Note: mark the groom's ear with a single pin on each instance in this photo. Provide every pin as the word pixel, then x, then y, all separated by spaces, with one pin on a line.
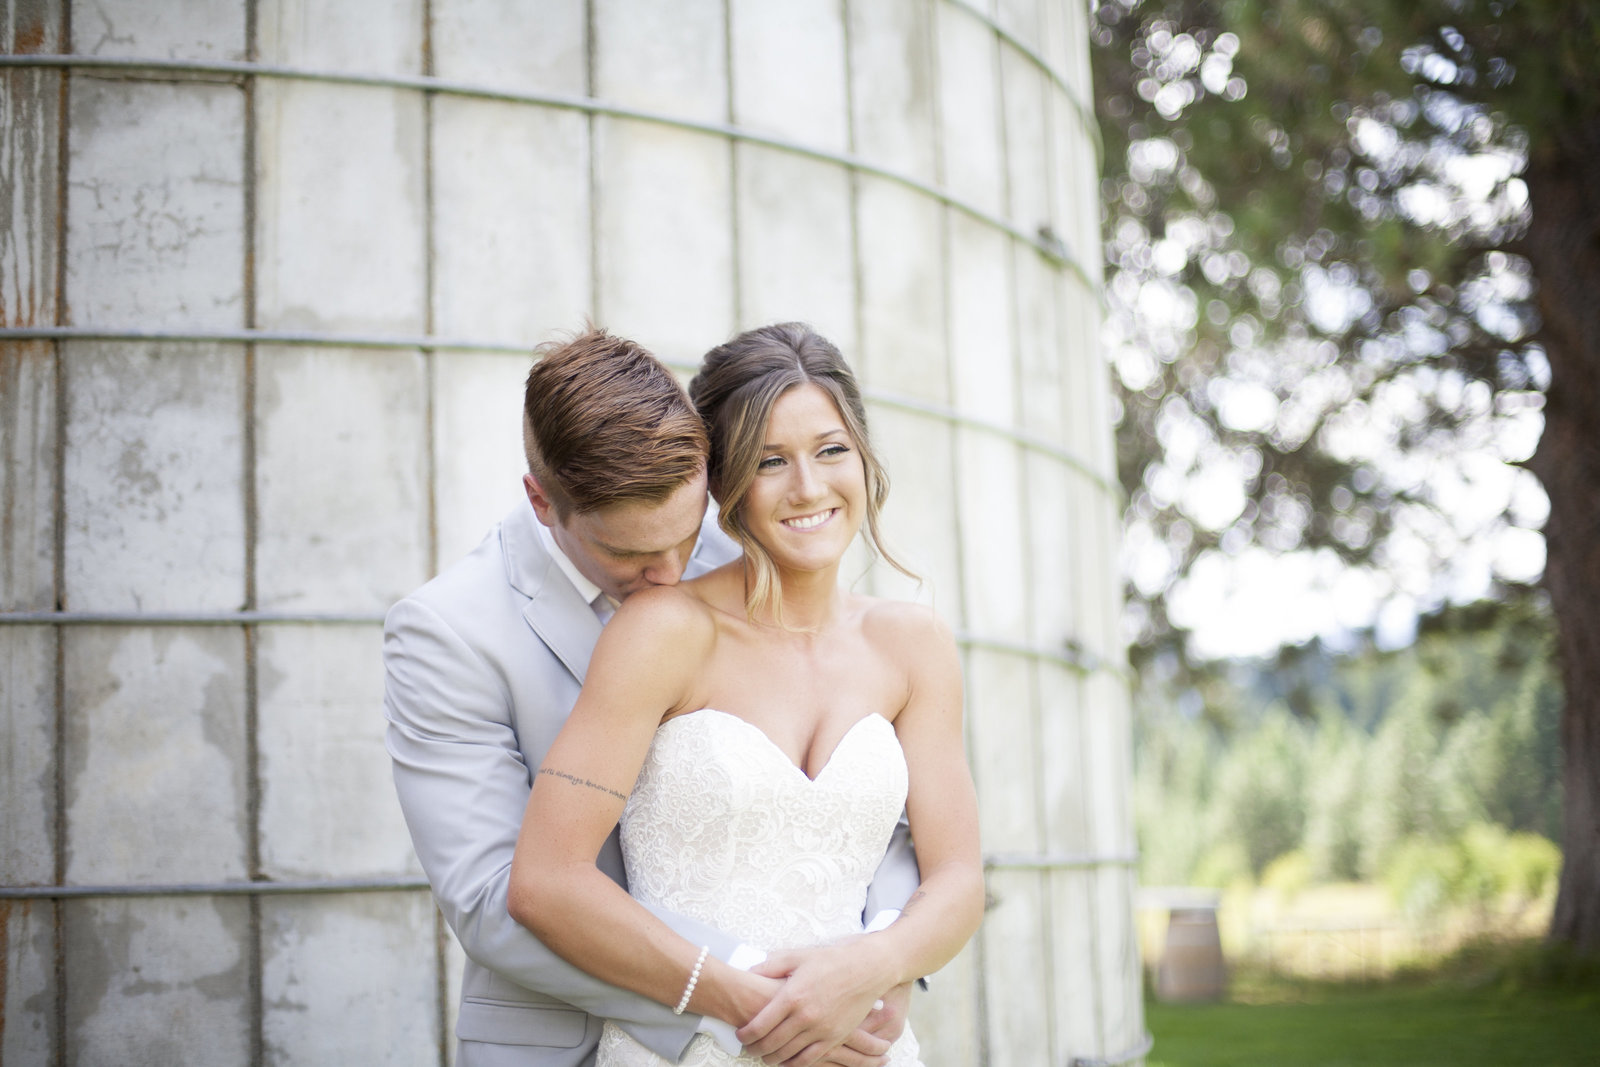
pixel 543 506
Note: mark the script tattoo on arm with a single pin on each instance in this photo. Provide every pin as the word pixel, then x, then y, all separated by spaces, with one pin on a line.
pixel 915 899
pixel 575 780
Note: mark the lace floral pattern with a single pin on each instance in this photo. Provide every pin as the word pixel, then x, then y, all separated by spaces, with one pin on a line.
pixel 724 828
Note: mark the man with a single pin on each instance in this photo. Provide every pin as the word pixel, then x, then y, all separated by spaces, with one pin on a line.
pixel 484 663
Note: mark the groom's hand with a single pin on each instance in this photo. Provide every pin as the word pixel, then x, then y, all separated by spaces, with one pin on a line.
pixel 821 1013
pixel 846 1054
pixel 886 1023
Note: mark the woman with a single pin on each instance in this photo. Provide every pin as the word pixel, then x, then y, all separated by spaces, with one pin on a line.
pixel 770 725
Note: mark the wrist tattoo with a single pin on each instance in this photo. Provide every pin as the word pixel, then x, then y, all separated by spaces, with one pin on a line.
pixel 575 780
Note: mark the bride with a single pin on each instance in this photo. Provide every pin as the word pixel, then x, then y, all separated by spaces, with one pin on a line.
pixel 758 731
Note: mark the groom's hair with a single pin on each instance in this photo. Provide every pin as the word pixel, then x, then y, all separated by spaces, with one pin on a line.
pixel 604 422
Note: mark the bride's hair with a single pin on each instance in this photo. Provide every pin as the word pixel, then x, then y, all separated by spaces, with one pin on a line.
pixel 734 392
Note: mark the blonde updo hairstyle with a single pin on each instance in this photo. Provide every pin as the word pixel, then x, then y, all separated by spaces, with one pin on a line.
pixel 734 392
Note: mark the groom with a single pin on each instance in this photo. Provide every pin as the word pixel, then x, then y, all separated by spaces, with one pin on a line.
pixel 483 664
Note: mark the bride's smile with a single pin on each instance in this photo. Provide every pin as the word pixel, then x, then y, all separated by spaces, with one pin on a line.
pixel 811 522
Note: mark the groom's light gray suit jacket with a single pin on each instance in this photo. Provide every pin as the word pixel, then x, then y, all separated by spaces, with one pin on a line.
pixel 482 666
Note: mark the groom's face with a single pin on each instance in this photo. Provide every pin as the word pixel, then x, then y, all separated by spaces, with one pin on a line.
pixel 632 546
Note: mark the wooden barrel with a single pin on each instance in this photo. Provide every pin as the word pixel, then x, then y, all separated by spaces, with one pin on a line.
pixel 1192 968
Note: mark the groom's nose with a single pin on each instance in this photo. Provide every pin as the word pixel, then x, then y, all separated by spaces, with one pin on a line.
pixel 666 568
pixel 667 572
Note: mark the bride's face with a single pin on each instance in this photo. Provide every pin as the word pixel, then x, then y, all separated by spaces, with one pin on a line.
pixel 809 495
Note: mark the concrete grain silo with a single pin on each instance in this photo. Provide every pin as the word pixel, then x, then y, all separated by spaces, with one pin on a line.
pixel 269 275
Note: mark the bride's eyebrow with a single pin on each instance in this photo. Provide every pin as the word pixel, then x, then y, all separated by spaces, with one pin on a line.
pixel 823 436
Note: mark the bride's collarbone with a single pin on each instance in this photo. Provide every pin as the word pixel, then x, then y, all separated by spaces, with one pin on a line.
pixel 851 679
pixel 844 649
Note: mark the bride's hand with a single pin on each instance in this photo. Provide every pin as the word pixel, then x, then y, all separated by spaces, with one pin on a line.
pixel 733 995
pixel 827 996
pixel 889 1021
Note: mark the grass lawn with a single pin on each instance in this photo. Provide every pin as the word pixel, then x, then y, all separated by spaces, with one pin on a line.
pixel 1454 1019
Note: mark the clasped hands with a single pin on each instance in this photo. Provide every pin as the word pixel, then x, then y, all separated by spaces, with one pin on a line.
pixel 827 1005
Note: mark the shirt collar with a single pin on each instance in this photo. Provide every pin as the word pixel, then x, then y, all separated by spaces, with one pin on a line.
pixel 586 589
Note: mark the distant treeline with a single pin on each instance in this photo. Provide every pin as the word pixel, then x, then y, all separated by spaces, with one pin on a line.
pixel 1364 765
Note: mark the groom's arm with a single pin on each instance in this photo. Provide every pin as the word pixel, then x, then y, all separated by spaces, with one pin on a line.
pixel 892 887
pixel 463 784
pixel 897 877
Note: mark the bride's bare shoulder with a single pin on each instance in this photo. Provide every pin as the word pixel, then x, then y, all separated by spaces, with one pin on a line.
pixel 904 627
pixel 672 615
pixel 918 647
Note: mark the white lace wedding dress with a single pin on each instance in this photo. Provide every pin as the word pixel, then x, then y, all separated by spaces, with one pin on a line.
pixel 724 828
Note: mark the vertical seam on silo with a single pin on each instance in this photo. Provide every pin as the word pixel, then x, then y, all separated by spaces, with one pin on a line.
pixel 980 940
pixel 1094 875
pixel 1085 118
pixel 59 536
pixel 1008 209
pixel 736 267
pixel 1007 205
pixel 1025 500
pixel 1081 684
pixel 592 126
pixel 430 356
pixel 853 176
pixel 441 981
pixel 932 18
pixel 256 1007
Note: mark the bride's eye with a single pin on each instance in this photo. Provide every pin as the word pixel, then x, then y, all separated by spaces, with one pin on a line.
pixel 769 463
pixel 834 450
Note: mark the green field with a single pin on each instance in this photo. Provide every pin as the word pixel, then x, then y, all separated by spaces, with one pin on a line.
pixel 1464 1015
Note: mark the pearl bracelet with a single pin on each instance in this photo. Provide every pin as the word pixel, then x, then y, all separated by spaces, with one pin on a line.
pixel 694 977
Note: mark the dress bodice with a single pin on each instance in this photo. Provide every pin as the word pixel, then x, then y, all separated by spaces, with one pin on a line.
pixel 723 827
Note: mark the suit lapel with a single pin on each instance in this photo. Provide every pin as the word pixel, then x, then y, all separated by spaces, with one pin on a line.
pixel 555 611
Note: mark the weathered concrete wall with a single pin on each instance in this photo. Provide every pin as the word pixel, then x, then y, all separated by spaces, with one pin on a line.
pixel 265 334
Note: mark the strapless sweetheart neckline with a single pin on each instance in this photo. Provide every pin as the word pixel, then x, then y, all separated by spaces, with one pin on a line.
pixel 773 745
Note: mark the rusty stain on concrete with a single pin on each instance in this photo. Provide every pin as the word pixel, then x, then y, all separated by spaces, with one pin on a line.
pixel 135 964
pixel 27 985
pixel 5 959
pixel 27 481
pixel 28 141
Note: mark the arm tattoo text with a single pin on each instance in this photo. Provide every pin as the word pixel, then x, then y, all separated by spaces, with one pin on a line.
pixel 575 780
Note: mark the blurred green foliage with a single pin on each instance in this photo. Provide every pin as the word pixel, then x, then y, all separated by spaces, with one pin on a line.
pixel 1434 768
pixel 1479 867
